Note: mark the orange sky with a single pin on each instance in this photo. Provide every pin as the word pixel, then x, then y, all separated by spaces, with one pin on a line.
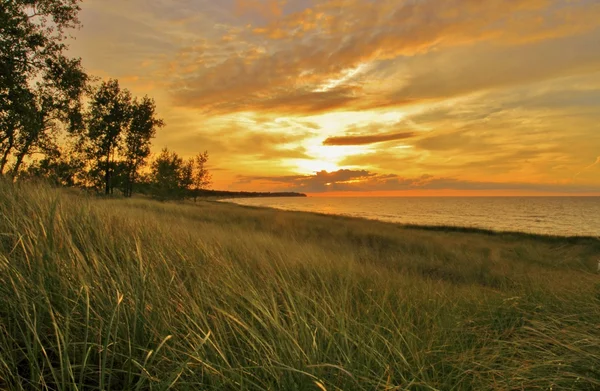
pixel 387 96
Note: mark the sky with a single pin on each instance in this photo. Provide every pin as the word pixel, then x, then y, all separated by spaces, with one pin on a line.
pixel 365 97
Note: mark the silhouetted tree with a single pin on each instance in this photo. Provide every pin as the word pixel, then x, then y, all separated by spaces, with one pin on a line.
pixel 40 88
pixel 186 178
pixel 58 168
pixel 109 118
pixel 167 176
pixel 42 113
pixel 200 176
pixel 171 177
pixel 137 142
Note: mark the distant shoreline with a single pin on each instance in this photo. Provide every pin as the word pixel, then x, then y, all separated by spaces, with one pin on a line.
pixel 222 194
pixel 443 228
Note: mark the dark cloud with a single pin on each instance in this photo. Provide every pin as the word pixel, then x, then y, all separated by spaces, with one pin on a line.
pixel 367 139
pixel 319 182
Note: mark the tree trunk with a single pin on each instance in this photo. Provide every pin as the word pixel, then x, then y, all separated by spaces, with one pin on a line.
pixel 19 160
pixel 21 156
pixel 4 159
pixel 107 175
pixel 130 185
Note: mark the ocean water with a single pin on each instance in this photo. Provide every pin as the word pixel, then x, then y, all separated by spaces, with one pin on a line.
pixel 565 216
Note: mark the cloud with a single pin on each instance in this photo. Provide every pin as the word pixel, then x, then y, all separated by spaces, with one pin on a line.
pixel 490 91
pixel 409 51
pixel 367 139
pixel 319 182
pixel 265 8
pixel 597 162
pixel 457 141
pixel 462 71
pixel 267 146
pixel 365 181
pixel 326 42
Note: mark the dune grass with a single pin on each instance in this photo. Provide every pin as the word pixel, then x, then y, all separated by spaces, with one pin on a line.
pixel 112 294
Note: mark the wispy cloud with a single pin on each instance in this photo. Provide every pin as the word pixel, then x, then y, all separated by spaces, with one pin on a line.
pixel 265 8
pixel 329 46
pixel 367 139
pixel 597 162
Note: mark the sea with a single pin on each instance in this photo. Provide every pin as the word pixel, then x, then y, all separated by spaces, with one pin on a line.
pixel 562 216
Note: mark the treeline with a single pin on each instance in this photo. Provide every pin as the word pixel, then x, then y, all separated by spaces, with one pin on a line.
pixel 60 124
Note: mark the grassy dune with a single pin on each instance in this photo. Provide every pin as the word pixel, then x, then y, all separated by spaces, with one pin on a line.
pixel 105 294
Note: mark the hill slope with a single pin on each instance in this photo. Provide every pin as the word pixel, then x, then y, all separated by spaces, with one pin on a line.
pixel 135 294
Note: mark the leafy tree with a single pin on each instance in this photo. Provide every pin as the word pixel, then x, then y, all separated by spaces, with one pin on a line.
pixel 137 142
pixel 186 178
pixel 41 97
pixel 40 88
pixel 171 177
pixel 58 168
pixel 168 176
pixel 200 176
pixel 109 118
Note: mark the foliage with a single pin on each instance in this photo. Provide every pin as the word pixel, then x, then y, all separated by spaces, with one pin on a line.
pixel 41 90
pixel 46 131
pixel 59 168
pixel 214 296
pixel 200 177
pixel 168 176
pixel 109 115
pixel 172 177
pixel 136 145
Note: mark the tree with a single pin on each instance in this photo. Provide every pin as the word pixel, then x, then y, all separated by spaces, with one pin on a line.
pixel 109 117
pixel 136 147
pixel 55 103
pixel 58 168
pixel 200 176
pixel 168 176
pixel 171 177
pixel 40 88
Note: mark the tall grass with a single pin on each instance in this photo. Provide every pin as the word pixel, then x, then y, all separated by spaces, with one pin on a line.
pixel 104 294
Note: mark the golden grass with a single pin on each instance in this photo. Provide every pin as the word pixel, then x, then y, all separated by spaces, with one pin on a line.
pixel 112 294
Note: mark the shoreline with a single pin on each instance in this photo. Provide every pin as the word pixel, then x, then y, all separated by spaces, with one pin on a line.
pixel 443 228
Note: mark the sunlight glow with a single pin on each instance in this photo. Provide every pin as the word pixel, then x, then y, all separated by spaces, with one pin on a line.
pixel 309 167
pixel 328 158
pixel 334 153
pixel 335 123
pixel 347 74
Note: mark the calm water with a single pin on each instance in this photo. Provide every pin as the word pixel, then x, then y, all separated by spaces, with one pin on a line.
pixel 549 215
